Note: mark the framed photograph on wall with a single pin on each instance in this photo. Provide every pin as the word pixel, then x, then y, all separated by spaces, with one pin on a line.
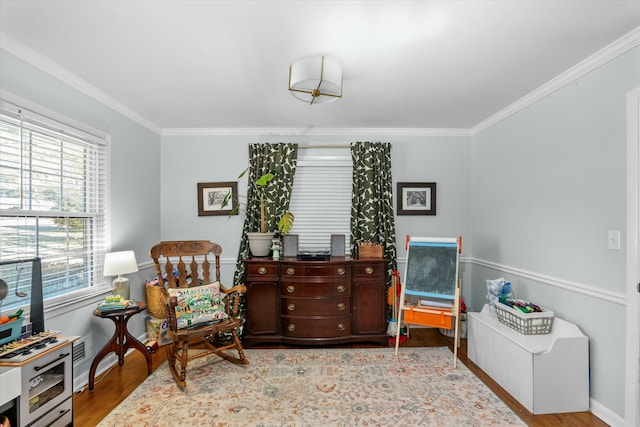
pixel 211 196
pixel 416 198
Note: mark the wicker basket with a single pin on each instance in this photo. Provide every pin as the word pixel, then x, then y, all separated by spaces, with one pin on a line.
pixel 155 301
pixel 527 324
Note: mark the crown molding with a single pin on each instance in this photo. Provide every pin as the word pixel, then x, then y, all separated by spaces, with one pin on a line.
pixel 15 103
pixel 606 54
pixel 297 132
pixel 48 66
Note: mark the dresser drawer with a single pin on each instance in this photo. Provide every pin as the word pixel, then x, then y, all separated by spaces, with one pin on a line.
pixel 316 271
pixel 318 327
pixel 256 271
pixel 369 269
pixel 315 290
pixel 316 306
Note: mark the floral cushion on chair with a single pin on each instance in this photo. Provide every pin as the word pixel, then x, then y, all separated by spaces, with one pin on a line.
pixel 199 304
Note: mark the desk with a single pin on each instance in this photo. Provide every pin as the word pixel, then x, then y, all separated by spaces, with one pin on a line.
pixel 122 340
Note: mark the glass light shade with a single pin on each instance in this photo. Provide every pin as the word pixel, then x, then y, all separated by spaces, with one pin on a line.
pixel 117 264
pixel 312 81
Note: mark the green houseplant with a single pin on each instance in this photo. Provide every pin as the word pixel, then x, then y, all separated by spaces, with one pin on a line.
pixel 264 236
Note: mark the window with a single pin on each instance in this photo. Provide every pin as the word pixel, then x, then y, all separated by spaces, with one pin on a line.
pixel 52 204
pixel 321 197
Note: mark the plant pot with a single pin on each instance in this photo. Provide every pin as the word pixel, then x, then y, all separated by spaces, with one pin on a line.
pixel 260 243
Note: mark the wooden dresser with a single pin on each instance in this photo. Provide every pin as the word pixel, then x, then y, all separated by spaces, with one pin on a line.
pixel 315 302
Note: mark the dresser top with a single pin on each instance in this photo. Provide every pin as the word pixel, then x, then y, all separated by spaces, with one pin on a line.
pixel 334 259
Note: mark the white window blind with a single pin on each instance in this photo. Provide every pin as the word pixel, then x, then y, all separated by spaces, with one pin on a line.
pixel 321 200
pixel 52 202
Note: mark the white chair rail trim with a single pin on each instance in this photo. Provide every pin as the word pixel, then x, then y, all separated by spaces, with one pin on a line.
pixel 591 291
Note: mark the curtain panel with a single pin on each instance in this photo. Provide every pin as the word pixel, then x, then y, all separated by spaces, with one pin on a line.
pixel 281 160
pixel 372 217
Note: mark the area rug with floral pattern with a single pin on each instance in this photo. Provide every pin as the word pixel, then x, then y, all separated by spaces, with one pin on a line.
pixel 318 387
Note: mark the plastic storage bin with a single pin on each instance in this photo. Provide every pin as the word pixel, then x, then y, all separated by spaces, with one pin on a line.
pixel 525 323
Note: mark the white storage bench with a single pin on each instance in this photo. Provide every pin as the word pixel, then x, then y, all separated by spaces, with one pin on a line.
pixel 547 373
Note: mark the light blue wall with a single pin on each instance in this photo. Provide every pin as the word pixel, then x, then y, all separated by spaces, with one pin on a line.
pixel 441 159
pixel 547 184
pixel 134 206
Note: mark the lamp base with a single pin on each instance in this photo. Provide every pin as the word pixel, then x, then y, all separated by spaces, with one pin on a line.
pixel 121 287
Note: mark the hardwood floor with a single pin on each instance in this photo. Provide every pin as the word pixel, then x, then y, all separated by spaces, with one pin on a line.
pixel 115 385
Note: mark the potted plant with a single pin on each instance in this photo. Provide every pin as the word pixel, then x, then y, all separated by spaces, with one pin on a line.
pixel 260 242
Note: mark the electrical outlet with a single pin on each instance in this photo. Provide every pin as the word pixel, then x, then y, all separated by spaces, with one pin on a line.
pixel 613 239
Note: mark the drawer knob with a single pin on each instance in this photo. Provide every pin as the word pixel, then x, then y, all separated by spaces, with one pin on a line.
pixel 368 270
pixel 291 289
pixel 340 288
pixel 262 270
pixel 341 327
pixel 291 271
pixel 291 327
pixel 291 307
pixel 341 271
pixel 341 306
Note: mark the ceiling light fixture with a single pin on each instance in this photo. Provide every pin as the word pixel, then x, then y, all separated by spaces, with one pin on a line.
pixel 315 80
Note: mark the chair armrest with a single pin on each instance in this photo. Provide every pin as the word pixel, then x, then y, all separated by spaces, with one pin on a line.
pixel 170 304
pixel 241 289
pixel 232 298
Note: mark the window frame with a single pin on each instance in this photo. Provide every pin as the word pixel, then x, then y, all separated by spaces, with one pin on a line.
pixel 329 158
pixel 51 123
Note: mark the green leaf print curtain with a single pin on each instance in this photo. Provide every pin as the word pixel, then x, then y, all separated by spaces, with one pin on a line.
pixel 281 160
pixel 372 216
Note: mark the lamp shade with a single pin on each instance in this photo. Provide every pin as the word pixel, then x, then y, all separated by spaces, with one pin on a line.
pixel 116 263
pixel 315 80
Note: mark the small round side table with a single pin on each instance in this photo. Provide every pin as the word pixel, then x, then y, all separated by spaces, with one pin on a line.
pixel 121 341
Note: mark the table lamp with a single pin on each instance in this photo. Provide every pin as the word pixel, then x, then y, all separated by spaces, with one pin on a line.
pixel 117 264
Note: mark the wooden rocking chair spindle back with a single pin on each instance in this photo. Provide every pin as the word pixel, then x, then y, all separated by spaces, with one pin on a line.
pixel 185 264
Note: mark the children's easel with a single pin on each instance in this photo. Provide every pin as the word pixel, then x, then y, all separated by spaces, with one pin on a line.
pixel 430 292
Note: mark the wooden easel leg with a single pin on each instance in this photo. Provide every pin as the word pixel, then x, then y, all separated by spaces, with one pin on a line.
pixel 398 329
pixel 456 340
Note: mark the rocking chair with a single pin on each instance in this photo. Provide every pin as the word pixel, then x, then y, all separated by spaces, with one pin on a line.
pixel 198 310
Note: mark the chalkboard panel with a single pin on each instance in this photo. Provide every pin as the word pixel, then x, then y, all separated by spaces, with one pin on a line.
pixel 432 269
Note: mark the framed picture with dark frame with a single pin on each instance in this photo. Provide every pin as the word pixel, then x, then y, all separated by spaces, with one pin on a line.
pixel 211 196
pixel 416 198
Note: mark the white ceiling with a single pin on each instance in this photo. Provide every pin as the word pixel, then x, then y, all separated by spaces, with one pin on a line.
pixel 224 64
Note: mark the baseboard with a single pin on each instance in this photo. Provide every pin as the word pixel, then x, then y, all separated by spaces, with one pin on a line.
pixel 81 380
pixel 605 414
